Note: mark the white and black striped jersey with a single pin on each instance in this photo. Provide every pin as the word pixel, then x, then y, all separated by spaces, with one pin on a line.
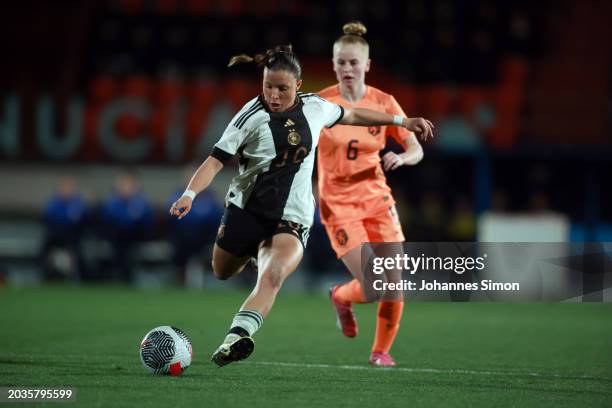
pixel 276 156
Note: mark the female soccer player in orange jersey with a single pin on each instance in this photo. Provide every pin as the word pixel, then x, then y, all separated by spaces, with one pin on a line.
pixel 355 201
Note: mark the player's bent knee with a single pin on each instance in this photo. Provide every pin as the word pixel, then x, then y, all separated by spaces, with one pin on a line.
pixel 225 265
pixel 221 275
pixel 222 271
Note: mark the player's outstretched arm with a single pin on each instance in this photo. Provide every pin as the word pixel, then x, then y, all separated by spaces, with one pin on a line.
pixel 201 179
pixel 368 117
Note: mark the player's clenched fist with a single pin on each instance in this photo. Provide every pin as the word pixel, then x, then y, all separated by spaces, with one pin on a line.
pixel 181 207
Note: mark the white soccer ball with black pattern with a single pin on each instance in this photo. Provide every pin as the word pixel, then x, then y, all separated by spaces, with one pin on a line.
pixel 166 350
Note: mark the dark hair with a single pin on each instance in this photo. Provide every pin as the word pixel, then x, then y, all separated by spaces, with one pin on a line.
pixel 278 58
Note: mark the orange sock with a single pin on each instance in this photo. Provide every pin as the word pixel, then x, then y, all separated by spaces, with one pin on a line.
pixel 387 325
pixel 350 292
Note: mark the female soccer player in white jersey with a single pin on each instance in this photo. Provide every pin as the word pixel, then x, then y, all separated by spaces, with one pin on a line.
pixel 269 206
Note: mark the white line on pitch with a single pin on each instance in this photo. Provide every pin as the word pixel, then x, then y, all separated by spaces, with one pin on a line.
pixel 428 370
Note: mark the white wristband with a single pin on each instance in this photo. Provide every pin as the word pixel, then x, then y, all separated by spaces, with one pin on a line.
pixel 189 193
pixel 398 120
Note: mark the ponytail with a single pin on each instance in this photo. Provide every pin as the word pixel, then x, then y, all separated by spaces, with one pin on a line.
pixel 280 57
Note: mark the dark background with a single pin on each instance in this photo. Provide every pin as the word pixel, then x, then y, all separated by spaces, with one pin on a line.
pixel 520 93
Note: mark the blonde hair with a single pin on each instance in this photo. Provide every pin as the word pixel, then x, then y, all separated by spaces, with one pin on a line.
pixel 353 34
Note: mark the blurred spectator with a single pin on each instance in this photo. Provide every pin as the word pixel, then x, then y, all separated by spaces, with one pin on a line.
pixel 65 216
pixel 194 235
pixel 126 219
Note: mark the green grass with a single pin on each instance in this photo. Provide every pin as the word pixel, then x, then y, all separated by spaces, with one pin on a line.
pixel 449 354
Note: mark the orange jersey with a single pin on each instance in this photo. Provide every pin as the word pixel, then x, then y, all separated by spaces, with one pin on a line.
pixel 352 184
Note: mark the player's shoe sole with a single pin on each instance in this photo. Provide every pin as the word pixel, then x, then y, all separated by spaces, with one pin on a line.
pixel 237 350
pixel 345 318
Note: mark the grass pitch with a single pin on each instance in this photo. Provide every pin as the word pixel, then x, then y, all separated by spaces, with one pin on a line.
pixel 449 354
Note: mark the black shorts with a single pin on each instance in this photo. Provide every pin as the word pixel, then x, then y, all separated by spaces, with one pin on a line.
pixel 240 232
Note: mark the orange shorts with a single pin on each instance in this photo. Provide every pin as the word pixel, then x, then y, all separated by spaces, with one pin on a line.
pixel 383 226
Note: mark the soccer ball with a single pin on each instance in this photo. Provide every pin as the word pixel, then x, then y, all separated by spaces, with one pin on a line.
pixel 165 350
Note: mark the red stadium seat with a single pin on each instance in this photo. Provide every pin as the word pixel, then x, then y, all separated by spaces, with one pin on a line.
pixel 102 89
pixel 239 91
pixel 201 96
pixel 90 121
pixel 513 71
pixel 130 127
pixel 167 92
pixel 159 122
pixel 90 147
pixel 504 134
pixel 469 98
pixel 508 102
pixel 137 86
pixel 200 93
pixel 436 101
pixel 509 98
pixel 194 122
pixel 406 97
